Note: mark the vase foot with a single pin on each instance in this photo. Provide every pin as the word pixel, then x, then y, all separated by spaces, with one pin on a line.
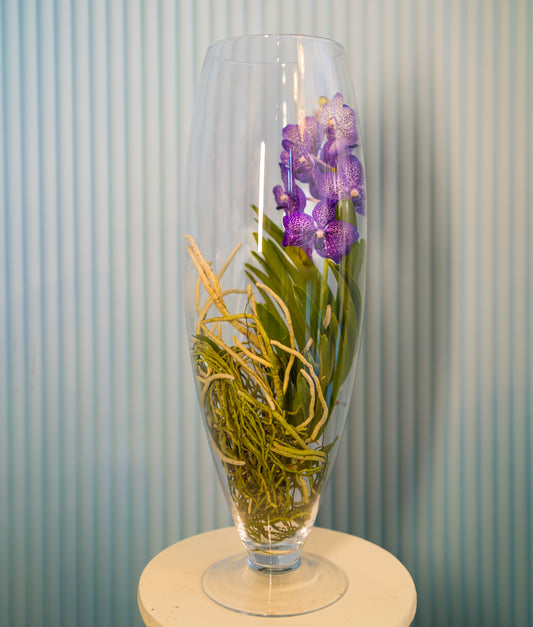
pixel 313 585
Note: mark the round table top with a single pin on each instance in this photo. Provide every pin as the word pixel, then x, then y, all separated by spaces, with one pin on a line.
pixel 380 593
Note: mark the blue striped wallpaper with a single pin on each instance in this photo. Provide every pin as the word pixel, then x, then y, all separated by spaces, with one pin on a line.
pixel 102 457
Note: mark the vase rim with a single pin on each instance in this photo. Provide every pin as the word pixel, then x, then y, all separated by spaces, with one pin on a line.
pixel 225 48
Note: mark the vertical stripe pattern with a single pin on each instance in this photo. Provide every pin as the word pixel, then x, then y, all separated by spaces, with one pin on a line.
pixel 102 455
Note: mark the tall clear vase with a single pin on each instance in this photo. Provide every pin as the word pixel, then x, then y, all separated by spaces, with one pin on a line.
pixel 276 238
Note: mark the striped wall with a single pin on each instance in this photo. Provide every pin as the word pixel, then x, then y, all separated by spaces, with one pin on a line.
pixel 102 461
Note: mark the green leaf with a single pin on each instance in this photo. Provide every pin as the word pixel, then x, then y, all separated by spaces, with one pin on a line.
pixel 302 262
pixel 347 318
pixel 345 211
pixel 297 315
pixel 271 228
pixel 326 362
pixel 274 326
pixel 254 273
pixel 360 255
pixel 307 300
pixel 302 398
pixel 332 331
pixel 350 272
pixel 274 263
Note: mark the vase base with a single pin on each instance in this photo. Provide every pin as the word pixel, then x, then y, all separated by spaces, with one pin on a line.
pixel 315 584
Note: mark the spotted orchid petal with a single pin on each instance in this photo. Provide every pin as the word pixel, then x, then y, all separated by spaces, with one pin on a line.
pixel 299 229
pixel 337 239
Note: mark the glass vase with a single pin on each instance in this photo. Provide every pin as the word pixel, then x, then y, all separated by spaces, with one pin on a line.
pixel 274 290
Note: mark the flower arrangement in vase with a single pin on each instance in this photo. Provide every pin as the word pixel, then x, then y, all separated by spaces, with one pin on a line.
pixel 275 315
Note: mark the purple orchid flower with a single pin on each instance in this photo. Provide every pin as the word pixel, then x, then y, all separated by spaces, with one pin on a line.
pixel 328 186
pixel 289 201
pixel 299 163
pixel 301 144
pixel 341 131
pixel 346 181
pixel 321 232
pixel 351 176
pixel 306 137
pixel 289 197
pixel 333 174
pixel 329 153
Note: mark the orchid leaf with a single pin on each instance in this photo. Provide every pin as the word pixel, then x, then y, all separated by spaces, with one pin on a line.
pixel 326 362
